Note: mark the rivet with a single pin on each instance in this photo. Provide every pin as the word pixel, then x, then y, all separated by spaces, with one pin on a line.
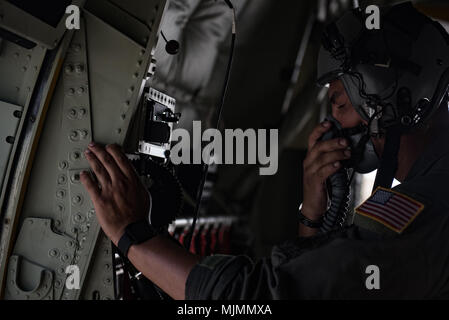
pixel 58 222
pixel 123 116
pixel 74 230
pixel 135 75
pixel 83 112
pixel 139 63
pixel 75 178
pixel 53 253
pixel 71 92
pixel 61 270
pixel 84 228
pixel 16 55
pixel 73 135
pixel 60 194
pixel 118 131
pixel 90 213
pixel 142 52
pixel 68 69
pixel 76 199
pixel 60 209
pixel 63 165
pixel 79 68
pixel 78 217
pixel 6 221
pixel 131 89
pixel 24 69
pixel 65 257
pixel 69 244
pixel 58 284
pixel 76 155
pixel 28 57
pixel 72 113
pixel 84 134
pixel 80 90
pixel 62 179
pixel 30 222
pixel 107 266
pixel 107 281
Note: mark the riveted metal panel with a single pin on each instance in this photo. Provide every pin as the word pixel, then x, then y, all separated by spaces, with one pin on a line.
pixel 9 116
pixel 41 246
pixel 19 173
pixel 94 98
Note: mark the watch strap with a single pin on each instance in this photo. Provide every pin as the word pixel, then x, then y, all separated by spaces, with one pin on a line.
pixel 125 243
pixel 314 224
pixel 136 233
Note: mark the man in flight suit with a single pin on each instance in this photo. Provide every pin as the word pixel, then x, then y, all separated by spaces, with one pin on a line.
pixel 396 247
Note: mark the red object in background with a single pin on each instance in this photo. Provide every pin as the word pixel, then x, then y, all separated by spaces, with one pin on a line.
pixel 183 235
pixel 194 240
pixel 213 240
pixel 224 239
pixel 205 243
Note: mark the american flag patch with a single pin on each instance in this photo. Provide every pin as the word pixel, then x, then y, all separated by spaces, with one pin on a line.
pixel 390 208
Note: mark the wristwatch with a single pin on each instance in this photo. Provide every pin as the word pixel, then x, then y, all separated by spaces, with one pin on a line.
pixel 314 224
pixel 136 233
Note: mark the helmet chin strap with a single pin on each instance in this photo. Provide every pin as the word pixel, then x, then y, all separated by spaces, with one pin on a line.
pixel 389 161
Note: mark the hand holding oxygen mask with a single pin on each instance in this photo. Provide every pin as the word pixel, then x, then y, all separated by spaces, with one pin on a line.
pixel 332 151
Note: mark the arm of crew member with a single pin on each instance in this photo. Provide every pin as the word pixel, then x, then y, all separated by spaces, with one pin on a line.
pixel 165 263
pixel 119 199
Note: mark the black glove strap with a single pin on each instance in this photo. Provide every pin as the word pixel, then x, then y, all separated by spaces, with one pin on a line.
pixel 136 233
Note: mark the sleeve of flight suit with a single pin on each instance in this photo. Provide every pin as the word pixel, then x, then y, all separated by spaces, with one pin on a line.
pixel 335 269
pixel 223 277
